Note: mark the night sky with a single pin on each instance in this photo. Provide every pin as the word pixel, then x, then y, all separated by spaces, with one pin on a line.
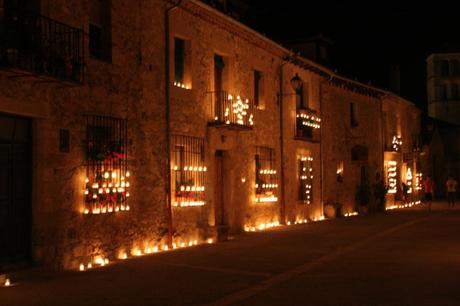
pixel 369 36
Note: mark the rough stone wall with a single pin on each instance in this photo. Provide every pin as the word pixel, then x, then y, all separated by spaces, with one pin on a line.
pixel 339 138
pixel 191 112
pixel 129 87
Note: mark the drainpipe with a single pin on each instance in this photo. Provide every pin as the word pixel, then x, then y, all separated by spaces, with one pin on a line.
pixel 382 139
pixel 321 154
pixel 281 106
pixel 168 122
pixel 321 144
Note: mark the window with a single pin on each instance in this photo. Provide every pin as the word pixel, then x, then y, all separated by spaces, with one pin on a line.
pixel 257 88
pixel 455 68
pixel 179 60
pixel 265 173
pixel 302 97
pixel 359 153
pixel 444 67
pixel 100 30
pixel 306 179
pixel 188 171
pixel 107 176
pixel 340 171
pixel 219 65
pixel 441 92
pixel 302 130
pixel 64 141
pixel 353 116
pixel 454 91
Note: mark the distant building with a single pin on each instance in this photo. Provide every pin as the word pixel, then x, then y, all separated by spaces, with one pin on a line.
pixel 233 8
pixel 440 156
pixel 316 48
pixel 443 86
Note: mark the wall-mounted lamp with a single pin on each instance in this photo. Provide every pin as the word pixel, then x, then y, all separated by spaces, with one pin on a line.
pixel 296 83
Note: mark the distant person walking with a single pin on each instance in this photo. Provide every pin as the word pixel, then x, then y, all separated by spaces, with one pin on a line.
pixel 451 186
pixel 428 188
pixel 405 190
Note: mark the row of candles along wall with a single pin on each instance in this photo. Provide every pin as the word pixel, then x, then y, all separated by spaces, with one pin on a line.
pixel 265 226
pixel 100 261
pixel 136 252
pixel 407 205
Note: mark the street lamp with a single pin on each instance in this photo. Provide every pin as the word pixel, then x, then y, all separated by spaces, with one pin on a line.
pixel 296 83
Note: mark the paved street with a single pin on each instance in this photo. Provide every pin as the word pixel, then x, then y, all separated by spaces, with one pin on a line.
pixel 402 257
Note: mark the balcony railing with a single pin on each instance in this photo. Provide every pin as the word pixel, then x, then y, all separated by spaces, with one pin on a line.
pixel 230 110
pixel 307 122
pixel 43 46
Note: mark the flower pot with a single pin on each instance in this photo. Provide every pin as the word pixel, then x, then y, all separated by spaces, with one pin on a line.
pixel 330 211
pixel 363 210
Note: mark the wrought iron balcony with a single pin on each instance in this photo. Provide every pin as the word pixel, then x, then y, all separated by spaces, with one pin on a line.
pixel 40 45
pixel 233 111
pixel 307 122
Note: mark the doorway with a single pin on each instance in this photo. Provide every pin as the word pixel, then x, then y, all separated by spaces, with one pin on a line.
pixel 15 191
pixel 219 198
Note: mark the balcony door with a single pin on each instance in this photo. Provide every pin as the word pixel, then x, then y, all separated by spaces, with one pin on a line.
pixel 219 203
pixel 15 191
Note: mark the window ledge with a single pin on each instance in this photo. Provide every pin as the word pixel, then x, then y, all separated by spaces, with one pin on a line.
pixel 306 139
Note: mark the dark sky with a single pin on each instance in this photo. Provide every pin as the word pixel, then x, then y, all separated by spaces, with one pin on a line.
pixel 369 36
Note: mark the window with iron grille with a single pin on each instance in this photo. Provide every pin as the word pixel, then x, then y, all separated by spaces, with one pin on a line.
pixel 188 171
pixel 266 177
pixel 306 179
pixel 107 175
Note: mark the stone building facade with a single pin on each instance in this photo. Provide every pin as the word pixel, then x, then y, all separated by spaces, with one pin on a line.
pixel 167 126
pixel 50 91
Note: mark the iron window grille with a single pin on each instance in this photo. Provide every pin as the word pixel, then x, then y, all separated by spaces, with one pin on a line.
pixel 188 171
pixel 107 175
pixel 266 175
